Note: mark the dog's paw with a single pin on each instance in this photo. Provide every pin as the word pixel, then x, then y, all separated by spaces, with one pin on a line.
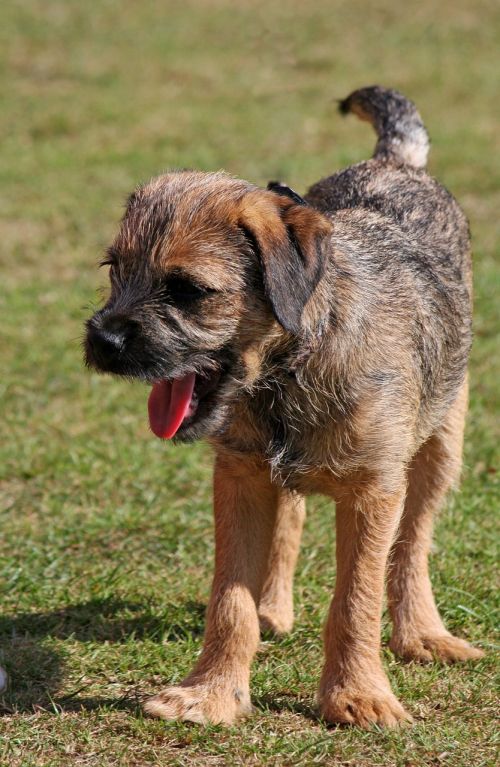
pixel 363 705
pixel 277 619
pixel 200 703
pixel 445 648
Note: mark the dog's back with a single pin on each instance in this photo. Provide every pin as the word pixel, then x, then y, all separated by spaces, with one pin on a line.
pixel 395 185
pixel 408 243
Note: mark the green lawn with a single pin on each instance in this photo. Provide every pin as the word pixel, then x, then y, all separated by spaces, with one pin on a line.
pixel 106 546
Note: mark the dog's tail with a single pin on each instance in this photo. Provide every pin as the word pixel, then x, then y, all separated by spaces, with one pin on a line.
pixel 402 137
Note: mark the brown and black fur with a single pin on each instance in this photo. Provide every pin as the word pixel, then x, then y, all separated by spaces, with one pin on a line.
pixel 330 336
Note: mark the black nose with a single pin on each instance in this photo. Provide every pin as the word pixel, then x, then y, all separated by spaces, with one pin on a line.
pixel 107 339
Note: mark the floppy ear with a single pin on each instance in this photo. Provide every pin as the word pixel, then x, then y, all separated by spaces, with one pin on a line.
pixel 291 241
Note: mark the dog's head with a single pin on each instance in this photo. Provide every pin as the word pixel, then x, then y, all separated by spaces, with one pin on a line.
pixel 204 269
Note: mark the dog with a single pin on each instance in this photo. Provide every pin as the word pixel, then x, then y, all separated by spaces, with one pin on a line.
pixel 320 344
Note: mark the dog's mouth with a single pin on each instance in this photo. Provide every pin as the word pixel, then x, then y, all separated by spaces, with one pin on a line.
pixel 174 403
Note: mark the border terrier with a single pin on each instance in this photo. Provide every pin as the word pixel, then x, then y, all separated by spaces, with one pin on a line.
pixel 320 344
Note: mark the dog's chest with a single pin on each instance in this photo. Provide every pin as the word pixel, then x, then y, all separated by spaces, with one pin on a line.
pixel 301 435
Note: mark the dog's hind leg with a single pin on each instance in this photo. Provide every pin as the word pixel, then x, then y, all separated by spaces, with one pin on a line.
pixel 217 690
pixel 418 631
pixel 276 602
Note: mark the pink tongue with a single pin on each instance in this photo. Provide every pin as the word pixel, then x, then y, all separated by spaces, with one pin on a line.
pixel 168 405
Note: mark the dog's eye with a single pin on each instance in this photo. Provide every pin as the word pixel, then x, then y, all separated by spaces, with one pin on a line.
pixel 182 290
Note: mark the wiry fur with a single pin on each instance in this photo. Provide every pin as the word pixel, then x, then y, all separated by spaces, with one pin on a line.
pixel 338 328
pixel 402 137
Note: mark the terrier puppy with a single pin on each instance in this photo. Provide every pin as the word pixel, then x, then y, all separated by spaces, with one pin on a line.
pixel 320 344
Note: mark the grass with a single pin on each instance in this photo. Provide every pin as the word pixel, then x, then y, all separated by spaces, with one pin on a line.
pixel 106 542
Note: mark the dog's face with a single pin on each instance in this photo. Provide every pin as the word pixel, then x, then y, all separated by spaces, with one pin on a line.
pixel 201 269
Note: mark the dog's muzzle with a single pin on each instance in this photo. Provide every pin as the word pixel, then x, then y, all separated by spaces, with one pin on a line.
pixel 107 340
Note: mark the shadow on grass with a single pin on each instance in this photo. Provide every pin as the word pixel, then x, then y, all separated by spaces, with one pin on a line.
pixel 36 670
pixel 108 620
pixel 280 703
pixel 129 703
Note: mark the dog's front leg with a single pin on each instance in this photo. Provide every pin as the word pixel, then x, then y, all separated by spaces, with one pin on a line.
pixel 354 688
pixel 217 690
